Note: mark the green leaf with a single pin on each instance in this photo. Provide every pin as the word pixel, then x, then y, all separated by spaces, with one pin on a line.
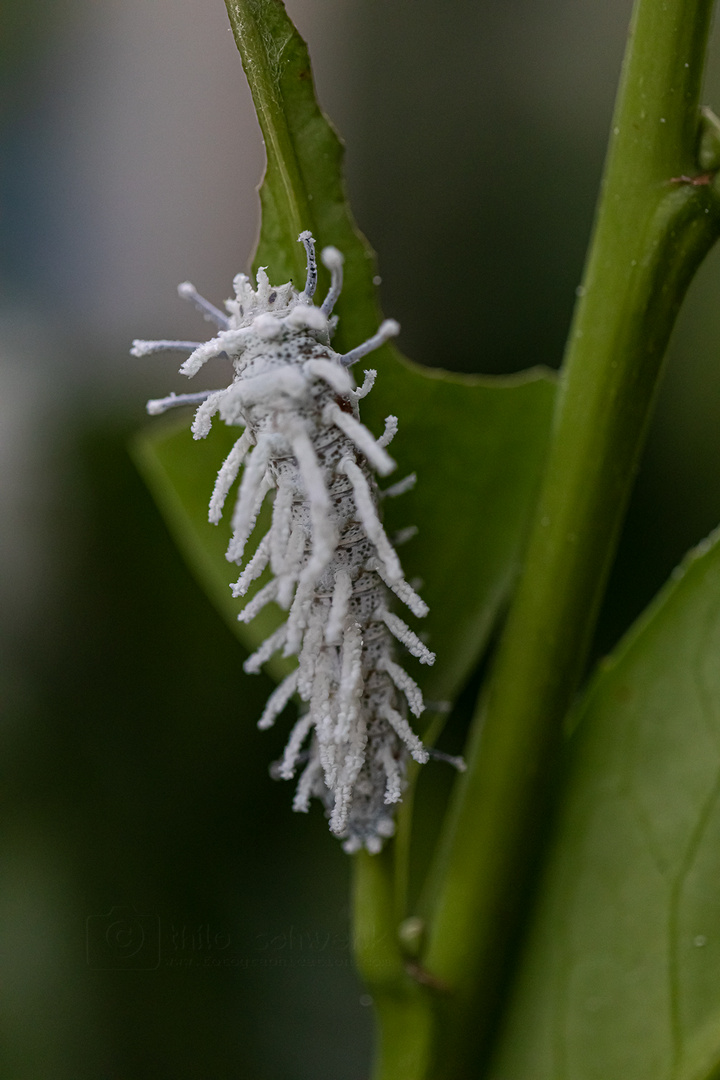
pixel 477 444
pixel 478 447
pixel 620 976
pixel 303 186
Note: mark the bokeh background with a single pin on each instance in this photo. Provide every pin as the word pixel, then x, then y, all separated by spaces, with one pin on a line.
pixel 162 913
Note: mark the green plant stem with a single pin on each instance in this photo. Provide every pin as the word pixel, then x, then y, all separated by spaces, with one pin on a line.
pixel 403 1007
pixel 651 234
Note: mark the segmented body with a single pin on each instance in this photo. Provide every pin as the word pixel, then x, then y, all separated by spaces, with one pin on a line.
pixel 331 565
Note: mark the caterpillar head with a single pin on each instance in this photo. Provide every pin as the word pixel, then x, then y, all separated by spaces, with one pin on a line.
pixel 267 299
pixel 263 307
pixel 276 315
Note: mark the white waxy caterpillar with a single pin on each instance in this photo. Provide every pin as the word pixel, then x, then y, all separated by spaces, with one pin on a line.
pixel 332 567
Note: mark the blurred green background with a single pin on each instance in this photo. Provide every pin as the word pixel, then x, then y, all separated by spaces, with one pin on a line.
pixel 162 913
